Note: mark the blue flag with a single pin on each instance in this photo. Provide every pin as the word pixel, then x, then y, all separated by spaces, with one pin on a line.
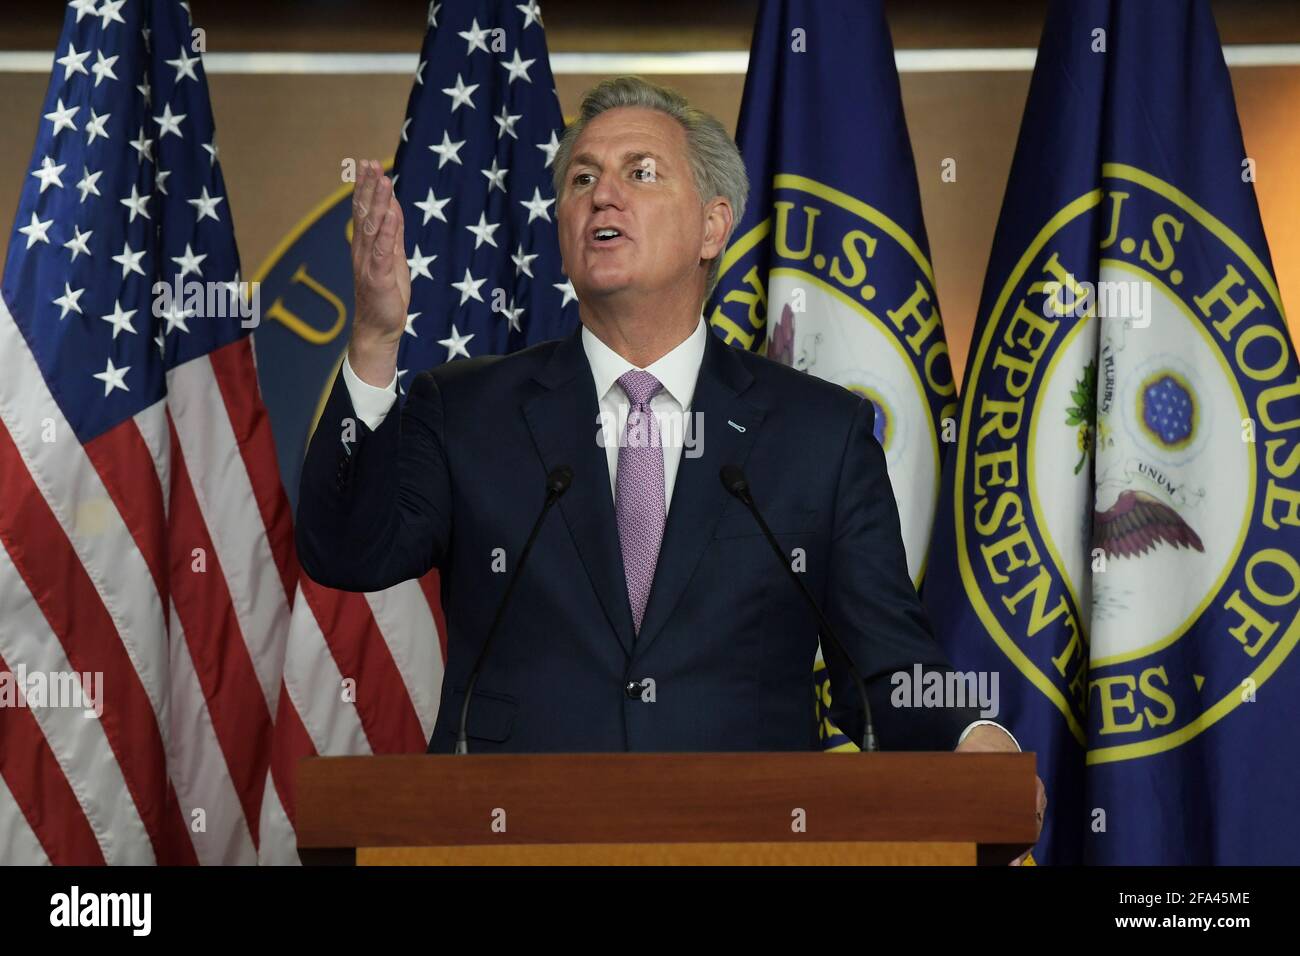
pixel 1121 521
pixel 123 214
pixel 473 174
pixel 829 270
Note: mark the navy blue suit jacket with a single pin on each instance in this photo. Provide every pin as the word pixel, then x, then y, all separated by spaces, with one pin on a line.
pixel 727 640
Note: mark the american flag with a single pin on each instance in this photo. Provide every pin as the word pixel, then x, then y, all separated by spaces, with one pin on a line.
pixel 363 673
pixel 144 536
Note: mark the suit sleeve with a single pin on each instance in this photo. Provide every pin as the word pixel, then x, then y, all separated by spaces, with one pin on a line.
pixel 374 506
pixel 875 610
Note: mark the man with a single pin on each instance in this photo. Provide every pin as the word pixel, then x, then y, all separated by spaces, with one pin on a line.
pixel 652 615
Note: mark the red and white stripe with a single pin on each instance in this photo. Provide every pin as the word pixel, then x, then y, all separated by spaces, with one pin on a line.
pixel 391 645
pixel 160 554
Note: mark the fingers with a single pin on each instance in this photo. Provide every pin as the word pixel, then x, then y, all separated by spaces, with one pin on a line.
pixel 399 244
pixel 373 242
pixel 363 209
pixel 399 253
pixel 385 242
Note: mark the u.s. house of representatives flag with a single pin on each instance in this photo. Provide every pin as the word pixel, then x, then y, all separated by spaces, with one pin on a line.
pixel 363 673
pixel 146 554
pixel 829 269
pixel 1121 536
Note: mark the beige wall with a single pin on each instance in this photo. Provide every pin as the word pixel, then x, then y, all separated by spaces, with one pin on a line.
pixel 282 139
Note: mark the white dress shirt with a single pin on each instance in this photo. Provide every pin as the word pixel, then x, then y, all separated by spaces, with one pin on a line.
pixel 369 402
pixel 677 372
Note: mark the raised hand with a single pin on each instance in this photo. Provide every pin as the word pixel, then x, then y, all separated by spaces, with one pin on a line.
pixel 380 276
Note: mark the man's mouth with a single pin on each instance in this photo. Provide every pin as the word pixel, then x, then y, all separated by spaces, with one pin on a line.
pixel 607 236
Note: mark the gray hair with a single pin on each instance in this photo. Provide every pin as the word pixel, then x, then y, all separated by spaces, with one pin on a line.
pixel 715 161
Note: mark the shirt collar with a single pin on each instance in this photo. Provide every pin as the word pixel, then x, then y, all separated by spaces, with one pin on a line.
pixel 677 371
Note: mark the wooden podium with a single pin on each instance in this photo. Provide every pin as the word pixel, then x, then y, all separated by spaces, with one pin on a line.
pixel 671 808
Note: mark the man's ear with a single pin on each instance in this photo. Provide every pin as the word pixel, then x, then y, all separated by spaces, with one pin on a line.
pixel 717 226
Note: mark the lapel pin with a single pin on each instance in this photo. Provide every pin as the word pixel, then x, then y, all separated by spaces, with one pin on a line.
pixel 739 428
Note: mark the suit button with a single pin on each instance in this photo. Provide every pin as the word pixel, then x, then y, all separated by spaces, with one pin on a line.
pixel 633 690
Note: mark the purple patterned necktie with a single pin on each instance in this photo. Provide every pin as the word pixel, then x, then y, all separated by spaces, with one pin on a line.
pixel 639 498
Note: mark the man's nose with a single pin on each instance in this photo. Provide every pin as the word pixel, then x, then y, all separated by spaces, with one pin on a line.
pixel 608 192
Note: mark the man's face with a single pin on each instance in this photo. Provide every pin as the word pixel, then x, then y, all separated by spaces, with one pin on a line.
pixel 630 172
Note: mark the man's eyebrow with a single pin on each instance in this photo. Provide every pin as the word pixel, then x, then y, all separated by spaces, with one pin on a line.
pixel 633 155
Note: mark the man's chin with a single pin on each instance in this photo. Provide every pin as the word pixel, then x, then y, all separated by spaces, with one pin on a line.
pixel 605 287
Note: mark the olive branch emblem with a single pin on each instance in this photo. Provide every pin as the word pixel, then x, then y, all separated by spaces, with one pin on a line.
pixel 1083 412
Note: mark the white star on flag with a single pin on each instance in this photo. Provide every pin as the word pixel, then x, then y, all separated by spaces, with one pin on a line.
pixel 506 123
pixel 68 300
pixel 130 260
pixel 432 207
pixel 48 174
pixel 108 13
pixel 83 7
pixel 206 205
pixel 169 122
pixel 537 206
pixel 87 183
pixel 567 288
pixel 103 67
pixel 419 264
pixel 62 117
pixel 474 37
pixel 523 263
pixel 72 62
pixel 447 151
pixel 456 343
pixel 513 315
pixel 144 146
pixel 518 68
pixel 189 262
pixel 184 66
pixel 496 177
pixel 532 13
pixel 175 318
pixel 35 231
pixel 136 204
pixel 549 149
pixel 483 231
pixel 461 94
pixel 120 319
pixel 95 126
pixel 468 288
pixel 113 377
pixel 78 242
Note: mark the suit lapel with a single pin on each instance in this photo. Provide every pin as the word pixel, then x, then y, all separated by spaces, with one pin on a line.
pixel 698 496
pixel 564 423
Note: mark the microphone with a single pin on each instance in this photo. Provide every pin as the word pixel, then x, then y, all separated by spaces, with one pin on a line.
pixel 737 485
pixel 557 483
